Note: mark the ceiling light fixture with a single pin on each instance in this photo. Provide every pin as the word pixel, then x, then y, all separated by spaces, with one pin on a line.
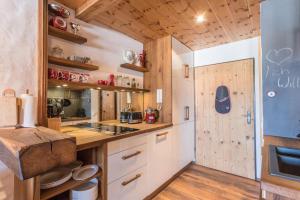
pixel 200 19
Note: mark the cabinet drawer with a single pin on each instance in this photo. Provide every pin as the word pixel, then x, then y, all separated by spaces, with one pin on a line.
pixel 130 187
pixel 124 162
pixel 159 158
pixel 124 144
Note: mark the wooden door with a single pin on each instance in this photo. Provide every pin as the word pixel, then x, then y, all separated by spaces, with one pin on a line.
pixel 226 142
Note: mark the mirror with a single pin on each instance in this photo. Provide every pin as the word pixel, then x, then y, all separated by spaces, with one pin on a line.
pixel 70 105
pixel 95 105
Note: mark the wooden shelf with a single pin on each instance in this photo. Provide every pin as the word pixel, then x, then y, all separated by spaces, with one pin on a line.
pixel 134 67
pixel 72 64
pixel 82 86
pixel 66 35
pixel 49 193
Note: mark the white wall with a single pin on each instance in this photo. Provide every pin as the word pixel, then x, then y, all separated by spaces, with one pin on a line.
pixel 18 39
pixel 18 60
pixel 236 51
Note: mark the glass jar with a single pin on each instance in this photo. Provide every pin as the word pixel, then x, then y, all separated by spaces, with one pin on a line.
pixel 119 80
pixel 126 82
pixel 133 83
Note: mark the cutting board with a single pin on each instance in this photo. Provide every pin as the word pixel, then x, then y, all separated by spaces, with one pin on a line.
pixel 9 110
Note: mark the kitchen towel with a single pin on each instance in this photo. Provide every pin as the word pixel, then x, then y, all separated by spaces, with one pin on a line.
pixel 28 112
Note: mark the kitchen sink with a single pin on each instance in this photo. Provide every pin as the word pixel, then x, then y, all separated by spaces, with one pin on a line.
pixel 284 162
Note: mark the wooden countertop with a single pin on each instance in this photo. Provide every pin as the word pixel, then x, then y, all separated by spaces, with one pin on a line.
pixel 266 177
pixel 86 139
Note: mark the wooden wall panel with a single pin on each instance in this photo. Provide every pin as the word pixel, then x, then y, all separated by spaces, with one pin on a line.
pixel 226 142
pixel 137 101
pixel 159 63
pixel 108 105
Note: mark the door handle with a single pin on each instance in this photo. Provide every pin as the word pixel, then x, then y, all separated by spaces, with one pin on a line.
pixel 248 117
pixel 187 113
pixel 186 71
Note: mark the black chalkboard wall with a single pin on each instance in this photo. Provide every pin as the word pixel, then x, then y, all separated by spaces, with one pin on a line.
pixel 280 22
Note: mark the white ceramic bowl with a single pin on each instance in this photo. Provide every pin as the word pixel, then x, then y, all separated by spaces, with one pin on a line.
pixel 85 172
pixel 87 191
pixel 55 178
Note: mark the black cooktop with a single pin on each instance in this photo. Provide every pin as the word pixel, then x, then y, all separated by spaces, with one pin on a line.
pixel 103 128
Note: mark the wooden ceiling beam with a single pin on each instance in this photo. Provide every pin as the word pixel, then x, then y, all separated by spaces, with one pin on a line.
pixel 91 8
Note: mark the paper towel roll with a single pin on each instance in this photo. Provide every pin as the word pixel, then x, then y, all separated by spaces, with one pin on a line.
pixel 28 111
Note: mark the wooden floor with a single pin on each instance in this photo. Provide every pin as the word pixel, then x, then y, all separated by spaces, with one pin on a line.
pixel 206 184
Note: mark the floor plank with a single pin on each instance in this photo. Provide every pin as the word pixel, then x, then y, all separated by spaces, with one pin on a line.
pixel 200 183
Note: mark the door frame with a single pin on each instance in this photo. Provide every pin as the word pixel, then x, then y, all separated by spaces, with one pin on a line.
pixel 254 107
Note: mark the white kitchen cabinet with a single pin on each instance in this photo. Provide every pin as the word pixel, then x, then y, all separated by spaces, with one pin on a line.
pixel 183 141
pixel 126 143
pixel 159 163
pixel 183 145
pixel 129 187
pixel 162 154
pixel 182 86
pixel 124 162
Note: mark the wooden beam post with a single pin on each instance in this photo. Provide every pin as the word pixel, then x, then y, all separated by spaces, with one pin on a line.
pixel 159 63
pixel 91 8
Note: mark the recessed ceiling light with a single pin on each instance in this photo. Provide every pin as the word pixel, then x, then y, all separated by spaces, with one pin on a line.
pixel 200 19
pixel 58 86
pixel 98 88
pixel 65 85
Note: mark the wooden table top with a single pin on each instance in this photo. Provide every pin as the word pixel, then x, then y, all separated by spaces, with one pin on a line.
pixel 86 139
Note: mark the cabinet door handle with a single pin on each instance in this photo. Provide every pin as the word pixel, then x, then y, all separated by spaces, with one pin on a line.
pixel 186 71
pixel 131 155
pixel 187 113
pixel 124 183
pixel 162 134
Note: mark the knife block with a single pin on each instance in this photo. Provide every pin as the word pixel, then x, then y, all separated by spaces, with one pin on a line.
pixel 54 123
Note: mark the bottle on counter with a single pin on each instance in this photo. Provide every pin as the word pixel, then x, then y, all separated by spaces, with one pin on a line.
pixel 112 80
